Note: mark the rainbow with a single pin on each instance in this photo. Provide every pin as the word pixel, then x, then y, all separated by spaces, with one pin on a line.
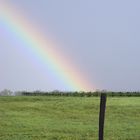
pixel 43 49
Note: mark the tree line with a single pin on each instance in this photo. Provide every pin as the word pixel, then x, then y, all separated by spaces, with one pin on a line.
pixel 7 92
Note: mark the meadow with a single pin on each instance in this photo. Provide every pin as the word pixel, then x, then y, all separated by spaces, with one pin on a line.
pixel 67 118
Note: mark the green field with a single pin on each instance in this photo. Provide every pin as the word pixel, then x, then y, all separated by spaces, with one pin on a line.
pixel 67 118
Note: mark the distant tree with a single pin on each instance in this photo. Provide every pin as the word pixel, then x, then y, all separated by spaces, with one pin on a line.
pixel 17 93
pixel 6 92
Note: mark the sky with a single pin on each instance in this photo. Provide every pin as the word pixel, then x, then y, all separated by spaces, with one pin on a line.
pixel 99 39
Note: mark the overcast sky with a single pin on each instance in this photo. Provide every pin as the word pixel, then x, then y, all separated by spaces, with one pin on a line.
pixel 101 36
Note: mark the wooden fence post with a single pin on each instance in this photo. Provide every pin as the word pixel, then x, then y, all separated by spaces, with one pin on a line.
pixel 102 115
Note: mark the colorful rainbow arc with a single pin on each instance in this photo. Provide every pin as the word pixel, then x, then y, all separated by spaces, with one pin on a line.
pixel 44 49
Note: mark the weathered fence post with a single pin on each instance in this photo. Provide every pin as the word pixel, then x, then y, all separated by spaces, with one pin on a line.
pixel 102 115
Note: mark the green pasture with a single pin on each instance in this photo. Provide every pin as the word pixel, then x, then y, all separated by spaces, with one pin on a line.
pixel 68 118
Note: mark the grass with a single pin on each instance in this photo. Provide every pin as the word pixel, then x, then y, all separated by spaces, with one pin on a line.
pixel 67 118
